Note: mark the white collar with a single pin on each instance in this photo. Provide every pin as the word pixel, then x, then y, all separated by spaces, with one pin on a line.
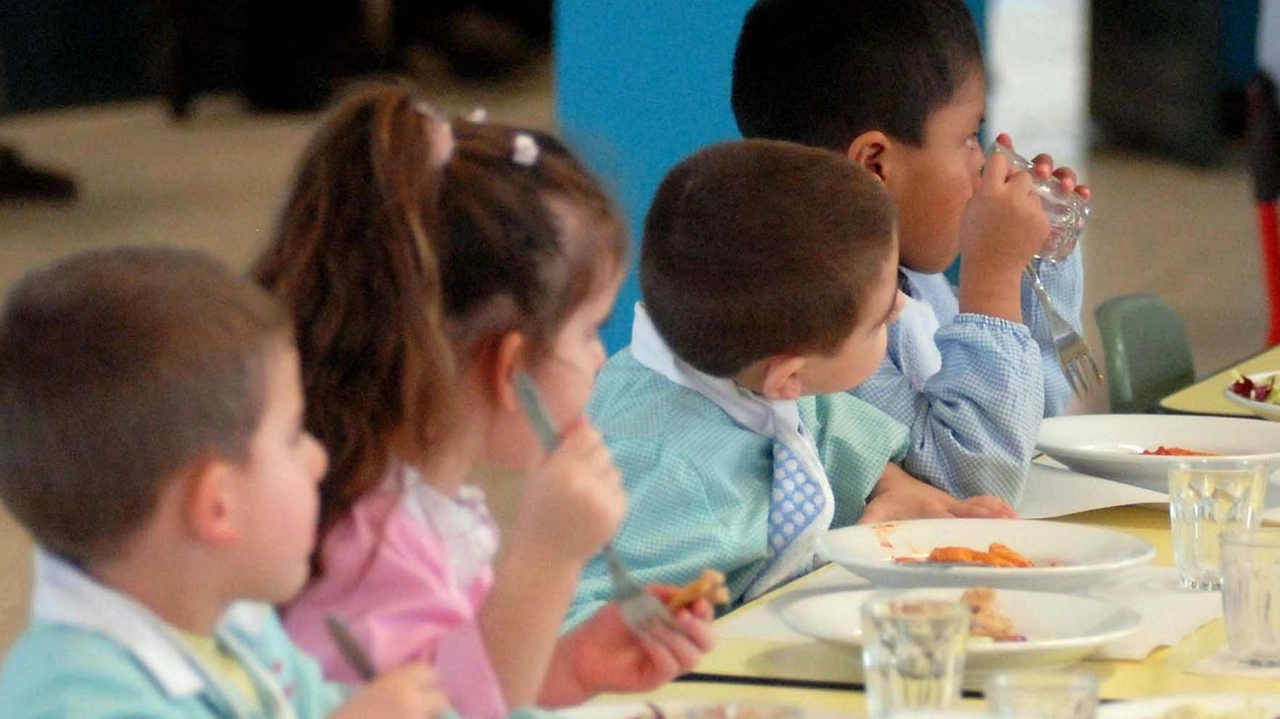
pixel 463 524
pixel 760 415
pixel 63 594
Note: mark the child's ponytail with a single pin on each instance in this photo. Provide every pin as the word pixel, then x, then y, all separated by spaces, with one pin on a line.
pixel 355 260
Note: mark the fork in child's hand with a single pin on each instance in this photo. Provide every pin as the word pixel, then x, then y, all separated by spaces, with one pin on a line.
pixel 641 611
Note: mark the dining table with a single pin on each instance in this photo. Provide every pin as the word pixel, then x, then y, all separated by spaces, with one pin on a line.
pixel 824 678
pixel 1206 395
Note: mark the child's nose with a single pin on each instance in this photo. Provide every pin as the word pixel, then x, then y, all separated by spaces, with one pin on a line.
pixel 319 459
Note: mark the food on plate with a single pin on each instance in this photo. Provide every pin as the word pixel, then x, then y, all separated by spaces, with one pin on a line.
pixel 987 621
pixel 1256 391
pixel 997 555
pixel 709 585
pixel 1164 451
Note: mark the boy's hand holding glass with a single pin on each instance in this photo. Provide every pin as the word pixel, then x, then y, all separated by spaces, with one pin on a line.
pixel 1003 225
pixel 410 692
pixel 1065 203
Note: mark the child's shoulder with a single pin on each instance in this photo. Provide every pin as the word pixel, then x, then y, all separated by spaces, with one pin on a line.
pixel 57 669
pixel 632 400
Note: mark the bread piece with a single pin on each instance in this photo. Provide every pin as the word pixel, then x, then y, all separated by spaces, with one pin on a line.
pixel 709 585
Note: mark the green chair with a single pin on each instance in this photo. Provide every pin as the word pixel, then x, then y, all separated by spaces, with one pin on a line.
pixel 1148 356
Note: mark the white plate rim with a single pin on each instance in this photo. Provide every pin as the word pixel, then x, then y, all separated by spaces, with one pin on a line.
pixel 1052 449
pixel 823 547
pixel 1132 617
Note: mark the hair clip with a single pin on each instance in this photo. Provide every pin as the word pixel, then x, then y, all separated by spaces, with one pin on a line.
pixel 524 149
pixel 478 115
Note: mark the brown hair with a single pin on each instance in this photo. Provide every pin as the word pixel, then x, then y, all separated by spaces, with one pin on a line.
pixel 118 369
pixel 759 247
pixel 398 269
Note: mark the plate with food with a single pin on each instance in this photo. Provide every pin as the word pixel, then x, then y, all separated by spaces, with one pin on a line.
pixel 1004 553
pixel 1196 706
pixel 1257 393
pixel 1138 448
pixel 1009 628
pixel 694 710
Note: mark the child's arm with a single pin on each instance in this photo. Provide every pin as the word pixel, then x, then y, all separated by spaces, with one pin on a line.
pixel 571 506
pixel 898 495
pixel 603 655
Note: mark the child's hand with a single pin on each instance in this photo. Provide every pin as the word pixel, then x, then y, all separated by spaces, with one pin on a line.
pixel 898 496
pixel 1044 169
pixel 1003 226
pixel 411 691
pixel 603 655
pixel 573 502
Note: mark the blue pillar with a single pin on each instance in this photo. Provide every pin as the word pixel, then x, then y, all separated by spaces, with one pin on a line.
pixel 640 85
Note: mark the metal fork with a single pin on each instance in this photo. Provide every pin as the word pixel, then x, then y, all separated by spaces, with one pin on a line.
pixel 641 611
pixel 1078 365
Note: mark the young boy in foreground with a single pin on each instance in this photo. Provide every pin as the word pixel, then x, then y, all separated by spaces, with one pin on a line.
pixel 153 446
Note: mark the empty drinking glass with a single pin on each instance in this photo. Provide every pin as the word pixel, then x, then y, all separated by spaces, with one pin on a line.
pixel 1251 594
pixel 913 654
pixel 1067 211
pixel 1208 496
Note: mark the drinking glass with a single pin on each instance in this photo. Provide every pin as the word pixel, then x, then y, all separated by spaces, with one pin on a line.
pixel 1067 211
pixel 913 654
pixel 1251 594
pixel 1042 695
pixel 1208 496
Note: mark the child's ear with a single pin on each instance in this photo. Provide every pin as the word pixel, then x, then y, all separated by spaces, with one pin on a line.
pixel 210 502
pixel 869 150
pixel 782 377
pixel 506 358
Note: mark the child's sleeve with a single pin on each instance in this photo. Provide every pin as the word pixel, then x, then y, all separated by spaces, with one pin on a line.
pixel 973 423
pixel 854 441
pixel 1064 281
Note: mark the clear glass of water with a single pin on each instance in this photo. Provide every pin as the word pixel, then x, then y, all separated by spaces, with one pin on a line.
pixel 1209 496
pixel 1251 594
pixel 1067 211
pixel 913 654
pixel 1042 695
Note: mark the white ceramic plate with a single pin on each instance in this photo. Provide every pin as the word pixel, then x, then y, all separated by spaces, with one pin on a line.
pixel 1067 556
pixel 1111 445
pixel 1060 628
pixel 1262 409
pixel 694 710
pixel 1263 706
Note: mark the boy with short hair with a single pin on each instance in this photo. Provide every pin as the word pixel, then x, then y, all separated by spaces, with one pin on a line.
pixel 153 446
pixel 768 272
pixel 898 86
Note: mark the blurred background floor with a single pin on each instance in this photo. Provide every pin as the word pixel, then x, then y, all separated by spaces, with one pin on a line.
pixel 215 182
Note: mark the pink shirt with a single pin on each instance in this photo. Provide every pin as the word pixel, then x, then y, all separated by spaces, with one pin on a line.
pixel 408 570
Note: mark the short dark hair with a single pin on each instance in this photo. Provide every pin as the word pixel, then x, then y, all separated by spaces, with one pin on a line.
pixel 119 369
pixel 821 72
pixel 756 247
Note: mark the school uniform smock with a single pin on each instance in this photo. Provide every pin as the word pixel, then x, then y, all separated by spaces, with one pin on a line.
pixel 699 482
pixel 93 653
pixel 407 570
pixel 971 387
